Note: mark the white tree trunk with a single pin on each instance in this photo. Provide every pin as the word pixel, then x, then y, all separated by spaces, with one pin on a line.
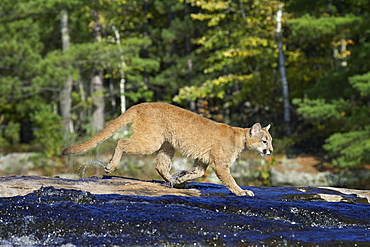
pixel 284 81
pixel 97 87
pixel 122 69
pixel 98 112
pixel 65 94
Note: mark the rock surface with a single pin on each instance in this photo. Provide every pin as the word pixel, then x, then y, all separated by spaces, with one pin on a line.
pixel 309 171
pixel 116 211
pixel 16 163
pixel 20 186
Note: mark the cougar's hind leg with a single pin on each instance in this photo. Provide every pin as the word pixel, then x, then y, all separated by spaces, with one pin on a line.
pixel 199 170
pixel 164 161
pixel 117 154
pixel 132 145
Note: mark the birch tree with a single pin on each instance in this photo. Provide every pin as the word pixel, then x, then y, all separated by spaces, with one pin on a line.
pixel 96 87
pixel 65 94
pixel 283 77
pixel 122 81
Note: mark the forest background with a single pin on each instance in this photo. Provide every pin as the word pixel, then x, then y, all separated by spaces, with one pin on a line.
pixel 68 67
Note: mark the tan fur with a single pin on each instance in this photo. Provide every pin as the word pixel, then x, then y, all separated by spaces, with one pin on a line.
pixel 162 128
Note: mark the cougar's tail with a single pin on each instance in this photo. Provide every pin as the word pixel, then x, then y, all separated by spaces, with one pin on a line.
pixel 103 135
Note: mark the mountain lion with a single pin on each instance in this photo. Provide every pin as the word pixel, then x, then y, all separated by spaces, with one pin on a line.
pixel 162 128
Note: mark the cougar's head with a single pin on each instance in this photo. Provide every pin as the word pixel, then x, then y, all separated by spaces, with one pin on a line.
pixel 259 139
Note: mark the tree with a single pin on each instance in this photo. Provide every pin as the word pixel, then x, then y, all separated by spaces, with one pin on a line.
pixel 97 88
pixel 240 56
pixel 35 67
pixel 220 58
pixel 284 81
pixel 336 105
pixel 65 94
pixel 30 77
pixel 170 29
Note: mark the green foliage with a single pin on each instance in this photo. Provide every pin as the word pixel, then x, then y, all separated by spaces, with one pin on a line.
pixel 10 136
pixel 352 148
pixel 240 58
pixel 49 133
pixel 361 83
pixel 347 126
pixel 319 108
pixel 319 28
pixel 215 88
pixel 219 56
pixel 11 133
pixel 265 171
pixel 334 42
pixel 285 144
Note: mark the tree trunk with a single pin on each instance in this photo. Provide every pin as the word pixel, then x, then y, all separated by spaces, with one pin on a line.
pixel 284 81
pixel 65 94
pixel 122 81
pixel 98 112
pixel 189 74
pixel 146 34
pixel 97 88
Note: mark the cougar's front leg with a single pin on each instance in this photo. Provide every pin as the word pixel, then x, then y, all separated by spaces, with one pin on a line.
pixel 223 173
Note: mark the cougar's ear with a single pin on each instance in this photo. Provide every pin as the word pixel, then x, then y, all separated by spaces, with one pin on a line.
pixel 256 128
pixel 267 127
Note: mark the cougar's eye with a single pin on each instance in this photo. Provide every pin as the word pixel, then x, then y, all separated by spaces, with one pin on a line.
pixel 265 142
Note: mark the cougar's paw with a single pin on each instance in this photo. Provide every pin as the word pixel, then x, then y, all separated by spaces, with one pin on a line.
pixel 181 186
pixel 248 193
pixel 109 169
pixel 244 193
pixel 171 183
pixel 177 181
pixel 178 174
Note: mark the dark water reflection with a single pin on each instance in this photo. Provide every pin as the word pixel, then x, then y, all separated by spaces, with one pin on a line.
pixel 275 217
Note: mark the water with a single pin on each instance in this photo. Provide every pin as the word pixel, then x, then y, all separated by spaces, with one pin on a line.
pixel 93 162
pixel 275 217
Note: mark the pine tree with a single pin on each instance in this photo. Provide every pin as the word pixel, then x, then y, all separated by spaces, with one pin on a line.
pixel 31 78
pixel 240 58
pixel 335 43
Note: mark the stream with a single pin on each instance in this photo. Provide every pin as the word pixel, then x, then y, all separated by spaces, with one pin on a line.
pixel 274 217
